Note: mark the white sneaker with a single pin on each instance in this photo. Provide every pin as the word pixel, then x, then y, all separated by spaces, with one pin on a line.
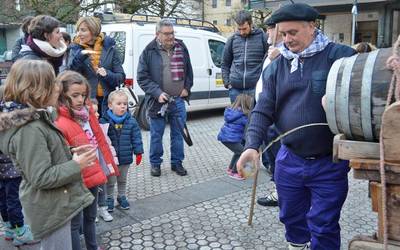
pixel 104 214
pixel 293 246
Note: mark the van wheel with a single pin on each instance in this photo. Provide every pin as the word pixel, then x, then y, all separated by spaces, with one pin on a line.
pixel 143 117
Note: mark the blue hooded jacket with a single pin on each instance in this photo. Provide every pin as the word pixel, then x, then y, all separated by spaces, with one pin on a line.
pixel 234 126
pixel 127 140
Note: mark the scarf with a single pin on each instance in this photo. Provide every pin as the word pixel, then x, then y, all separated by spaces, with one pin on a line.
pixel 80 116
pixel 176 64
pixel 117 119
pixel 318 44
pixel 95 57
pixel 53 55
pixel 11 106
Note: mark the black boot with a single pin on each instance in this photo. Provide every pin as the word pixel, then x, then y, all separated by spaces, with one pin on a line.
pixel 179 169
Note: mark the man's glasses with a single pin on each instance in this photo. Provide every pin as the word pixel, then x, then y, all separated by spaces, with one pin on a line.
pixel 168 33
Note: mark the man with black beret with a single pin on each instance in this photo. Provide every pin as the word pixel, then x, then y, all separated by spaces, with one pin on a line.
pixel 311 188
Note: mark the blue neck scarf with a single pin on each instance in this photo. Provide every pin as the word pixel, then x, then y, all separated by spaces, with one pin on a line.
pixel 116 118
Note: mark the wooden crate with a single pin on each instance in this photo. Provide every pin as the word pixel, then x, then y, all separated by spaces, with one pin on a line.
pixel 365 160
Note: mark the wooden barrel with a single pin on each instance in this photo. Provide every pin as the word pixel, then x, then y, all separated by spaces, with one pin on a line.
pixel 356 93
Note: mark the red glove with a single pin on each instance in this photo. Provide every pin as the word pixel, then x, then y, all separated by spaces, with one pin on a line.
pixel 138 159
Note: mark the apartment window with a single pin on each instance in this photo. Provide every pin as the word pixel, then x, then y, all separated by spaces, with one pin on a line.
pixel 228 22
pixel 215 22
pixel 228 3
pixel 214 3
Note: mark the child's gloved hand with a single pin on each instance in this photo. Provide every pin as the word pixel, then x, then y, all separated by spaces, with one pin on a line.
pixel 138 159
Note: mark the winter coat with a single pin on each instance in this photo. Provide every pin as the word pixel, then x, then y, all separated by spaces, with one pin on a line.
pixel 72 130
pixel 27 52
pixel 110 59
pixel 242 60
pixel 51 191
pixel 127 140
pixel 7 169
pixel 104 128
pixel 234 126
pixel 17 47
pixel 149 74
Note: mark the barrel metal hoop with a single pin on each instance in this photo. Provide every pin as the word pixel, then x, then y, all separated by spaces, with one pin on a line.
pixel 345 94
pixel 366 98
pixel 330 94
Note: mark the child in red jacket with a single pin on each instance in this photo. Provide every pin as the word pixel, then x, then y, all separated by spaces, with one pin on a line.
pixel 79 125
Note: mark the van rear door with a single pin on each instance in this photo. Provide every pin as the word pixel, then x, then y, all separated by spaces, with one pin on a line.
pixel 198 57
pixel 218 93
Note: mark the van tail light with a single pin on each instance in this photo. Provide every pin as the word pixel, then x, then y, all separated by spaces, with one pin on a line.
pixel 129 82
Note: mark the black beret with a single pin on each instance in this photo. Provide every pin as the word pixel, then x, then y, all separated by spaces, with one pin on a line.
pixel 295 12
pixel 270 22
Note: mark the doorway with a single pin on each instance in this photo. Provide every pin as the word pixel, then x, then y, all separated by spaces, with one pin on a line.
pixel 367 32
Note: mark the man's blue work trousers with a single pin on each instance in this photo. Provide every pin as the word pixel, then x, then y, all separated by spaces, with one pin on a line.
pixel 311 193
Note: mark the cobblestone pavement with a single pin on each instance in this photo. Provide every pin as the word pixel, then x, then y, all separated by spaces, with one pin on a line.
pixel 206 209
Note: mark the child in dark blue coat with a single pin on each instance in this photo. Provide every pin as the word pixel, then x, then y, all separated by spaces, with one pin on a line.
pixel 10 206
pixel 126 138
pixel 233 131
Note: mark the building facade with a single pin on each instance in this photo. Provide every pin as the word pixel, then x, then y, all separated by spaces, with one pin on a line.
pixel 377 21
pixel 222 12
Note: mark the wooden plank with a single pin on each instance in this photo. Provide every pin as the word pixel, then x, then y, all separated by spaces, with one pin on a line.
pixel 346 149
pixel 374 196
pixel 372 164
pixel 391 132
pixel 392 208
pixel 335 150
pixel 373 175
pixel 367 243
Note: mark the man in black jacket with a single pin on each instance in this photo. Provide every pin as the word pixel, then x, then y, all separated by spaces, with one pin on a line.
pixel 165 74
pixel 243 56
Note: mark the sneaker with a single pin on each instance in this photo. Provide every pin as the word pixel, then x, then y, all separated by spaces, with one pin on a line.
pixel 236 176
pixel 293 246
pixel 155 171
pixel 23 236
pixel 228 170
pixel 269 201
pixel 96 220
pixel 123 202
pixel 9 233
pixel 104 214
pixel 110 205
pixel 179 169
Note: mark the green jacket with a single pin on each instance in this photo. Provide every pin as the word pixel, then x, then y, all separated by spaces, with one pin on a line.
pixel 51 191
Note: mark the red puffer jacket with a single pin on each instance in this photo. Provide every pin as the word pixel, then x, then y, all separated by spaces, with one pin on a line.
pixel 72 131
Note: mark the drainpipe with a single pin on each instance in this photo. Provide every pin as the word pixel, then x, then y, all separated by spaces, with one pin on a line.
pixel 354 13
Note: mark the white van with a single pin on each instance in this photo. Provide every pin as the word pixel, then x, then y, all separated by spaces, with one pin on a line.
pixel 205 50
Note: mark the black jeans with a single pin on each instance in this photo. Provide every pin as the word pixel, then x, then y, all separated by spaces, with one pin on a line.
pixel 237 149
pixel 10 206
pixel 89 225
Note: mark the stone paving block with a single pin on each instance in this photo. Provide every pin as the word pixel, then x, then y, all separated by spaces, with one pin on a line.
pixel 157 205
pixel 207 190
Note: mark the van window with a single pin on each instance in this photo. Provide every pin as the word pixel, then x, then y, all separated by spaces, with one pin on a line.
pixel 120 41
pixel 217 50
